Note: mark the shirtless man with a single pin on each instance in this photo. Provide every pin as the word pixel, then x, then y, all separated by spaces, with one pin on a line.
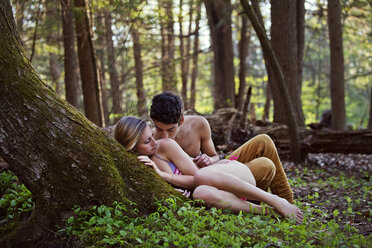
pixel 193 134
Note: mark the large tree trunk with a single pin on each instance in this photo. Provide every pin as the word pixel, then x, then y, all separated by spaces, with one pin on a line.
pixel 284 17
pixel 280 83
pixel 194 70
pixel 56 152
pixel 88 67
pixel 141 94
pixel 184 73
pixel 337 84
pixel 114 80
pixel 70 60
pixel 219 21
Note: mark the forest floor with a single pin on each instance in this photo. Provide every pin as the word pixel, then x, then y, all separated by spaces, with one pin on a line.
pixel 338 185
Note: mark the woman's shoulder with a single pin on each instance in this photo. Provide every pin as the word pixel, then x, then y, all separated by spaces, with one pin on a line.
pixel 165 144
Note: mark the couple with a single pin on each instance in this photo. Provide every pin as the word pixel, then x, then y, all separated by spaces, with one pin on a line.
pixel 220 183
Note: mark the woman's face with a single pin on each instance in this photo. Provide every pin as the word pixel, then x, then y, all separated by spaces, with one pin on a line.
pixel 146 144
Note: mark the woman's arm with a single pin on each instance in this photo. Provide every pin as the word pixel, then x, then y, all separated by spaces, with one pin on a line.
pixel 183 181
pixel 170 150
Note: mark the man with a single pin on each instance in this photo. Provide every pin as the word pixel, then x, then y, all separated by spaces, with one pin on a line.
pixel 193 134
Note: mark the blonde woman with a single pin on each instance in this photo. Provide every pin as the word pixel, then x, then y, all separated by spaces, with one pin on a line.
pixel 225 184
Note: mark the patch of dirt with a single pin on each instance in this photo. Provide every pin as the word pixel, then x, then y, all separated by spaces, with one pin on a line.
pixel 336 183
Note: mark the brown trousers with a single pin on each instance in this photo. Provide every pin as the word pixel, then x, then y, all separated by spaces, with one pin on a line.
pixel 261 156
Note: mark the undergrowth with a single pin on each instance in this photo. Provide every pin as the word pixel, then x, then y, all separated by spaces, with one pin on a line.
pixel 190 225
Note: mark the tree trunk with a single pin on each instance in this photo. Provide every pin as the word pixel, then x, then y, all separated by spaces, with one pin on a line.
pixel 284 17
pixel 70 62
pixel 141 95
pixel 88 68
pixel 268 90
pixel 169 82
pixel 20 15
pixel 184 73
pixel 370 110
pixel 293 134
pixel 114 80
pixel 194 71
pixel 56 152
pixel 219 21
pixel 101 62
pixel 243 54
pixel 337 84
pixel 52 37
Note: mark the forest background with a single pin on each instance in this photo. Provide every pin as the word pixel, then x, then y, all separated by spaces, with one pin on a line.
pixel 117 56
pixel 144 47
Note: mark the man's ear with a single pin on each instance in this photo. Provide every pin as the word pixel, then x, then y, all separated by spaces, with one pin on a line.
pixel 182 119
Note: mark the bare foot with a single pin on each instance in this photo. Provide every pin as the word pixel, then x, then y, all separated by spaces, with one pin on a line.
pixel 286 209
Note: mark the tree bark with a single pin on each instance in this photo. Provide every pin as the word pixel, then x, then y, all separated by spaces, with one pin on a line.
pixel 70 60
pixel 194 70
pixel 56 152
pixel 184 73
pixel 141 94
pixel 169 82
pixel 268 90
pixel 285 45
pixel 370 110
pixel 101 62
pixel 114 80
pixel 337 84
pixel 88 67
pixel 293 134
pixel 52 37
pixel 245 35
pixel 219 21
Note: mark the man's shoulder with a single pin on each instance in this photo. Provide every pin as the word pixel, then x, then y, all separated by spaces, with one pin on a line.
pixel 196 121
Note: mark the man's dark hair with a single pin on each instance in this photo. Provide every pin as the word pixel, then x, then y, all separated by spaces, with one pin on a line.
pixel 166 107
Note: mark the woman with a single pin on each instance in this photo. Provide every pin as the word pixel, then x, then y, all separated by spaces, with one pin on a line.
pixel 222 184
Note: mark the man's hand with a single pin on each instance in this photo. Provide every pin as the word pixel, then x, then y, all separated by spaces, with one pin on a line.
pixel 202 160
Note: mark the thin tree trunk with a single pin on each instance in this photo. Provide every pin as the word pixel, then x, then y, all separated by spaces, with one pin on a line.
pixel 35 31
pixel 247 100
pixel 194 71
pixel 183 59
pixel 70 60
pixel 268 94
pixel 337 84
pixel 268 89
pixel 245 35
pixel 219 21
pixel 101 62
pixel 20 15
pixel 169 82
pixel 52 37
pixel 141 94
pixel 114 80
pixel 370 110
pixel 88 68
pixel 292 124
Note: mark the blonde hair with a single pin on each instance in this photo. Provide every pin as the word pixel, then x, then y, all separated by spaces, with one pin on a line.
pixel 128 131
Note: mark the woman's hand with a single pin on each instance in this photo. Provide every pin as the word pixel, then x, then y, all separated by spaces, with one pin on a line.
pixel 147 161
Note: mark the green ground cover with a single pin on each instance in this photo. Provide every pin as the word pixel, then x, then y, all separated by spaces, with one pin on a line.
pixel 336 204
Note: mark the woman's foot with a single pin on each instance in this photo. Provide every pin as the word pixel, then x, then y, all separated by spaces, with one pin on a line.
pixel 286 209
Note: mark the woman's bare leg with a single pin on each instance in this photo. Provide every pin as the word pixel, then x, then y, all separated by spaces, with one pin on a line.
pixel 234 184
pixel 226 200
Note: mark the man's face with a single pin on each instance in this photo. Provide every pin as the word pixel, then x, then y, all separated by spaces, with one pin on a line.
pixel 163 130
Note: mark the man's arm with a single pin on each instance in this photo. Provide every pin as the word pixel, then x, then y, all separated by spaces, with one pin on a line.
pixel 208 154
